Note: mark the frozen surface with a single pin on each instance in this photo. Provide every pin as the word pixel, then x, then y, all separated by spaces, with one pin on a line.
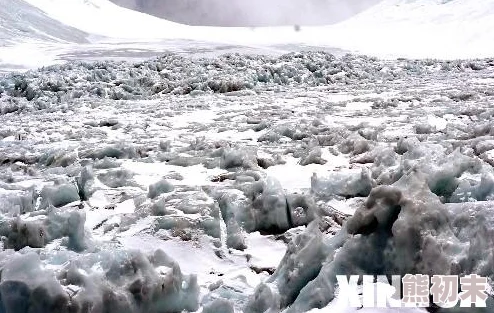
pixel 240 182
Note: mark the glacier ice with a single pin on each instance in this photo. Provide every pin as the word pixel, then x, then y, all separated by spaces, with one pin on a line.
pixel 158 188
pixel 207 154
pixel 401 228
pixel 127 281
pixel 115 178
pixel 58 195
pixel 39 230
pixel 350 184
pixel 174 74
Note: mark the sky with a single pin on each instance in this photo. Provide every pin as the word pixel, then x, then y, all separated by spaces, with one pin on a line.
pixel 251 12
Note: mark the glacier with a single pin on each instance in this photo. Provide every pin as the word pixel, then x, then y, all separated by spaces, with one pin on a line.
pixel 171 168
pixel 112 178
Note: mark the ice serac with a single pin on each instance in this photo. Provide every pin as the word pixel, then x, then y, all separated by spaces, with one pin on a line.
pixel 18 202
pixel 350 184
pixel 401 228
pixel 60 194
pixel 25 286
pixel 269 206
pixel 229 206
pixel 85 182
pixel 219 306
pixel 53 87
pixel 158 188
pixel 46 226
pixel 271 209
pixel 260 204
pixel 116 281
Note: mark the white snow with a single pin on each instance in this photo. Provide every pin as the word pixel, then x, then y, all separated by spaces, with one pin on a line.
pixel 265 251
pixel 392 28
pixel 148 173
pixel 418 28
pixel 28 54
pixel 293 176
pixel 103 18
pixel 197 258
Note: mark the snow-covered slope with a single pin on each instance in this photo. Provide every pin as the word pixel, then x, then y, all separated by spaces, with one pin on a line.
pixel 20 21
pixel 102 17
pixel 421 28
pixel 392 28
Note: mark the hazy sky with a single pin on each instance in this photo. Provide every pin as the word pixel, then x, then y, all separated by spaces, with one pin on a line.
pixel 250 12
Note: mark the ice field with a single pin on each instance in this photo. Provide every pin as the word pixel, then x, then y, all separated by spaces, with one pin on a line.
pixel 157 167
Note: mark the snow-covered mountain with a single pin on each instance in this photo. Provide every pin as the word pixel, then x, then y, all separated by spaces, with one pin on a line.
pixel 391 28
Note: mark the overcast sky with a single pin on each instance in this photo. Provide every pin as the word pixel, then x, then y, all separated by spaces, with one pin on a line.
pixel 250 12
